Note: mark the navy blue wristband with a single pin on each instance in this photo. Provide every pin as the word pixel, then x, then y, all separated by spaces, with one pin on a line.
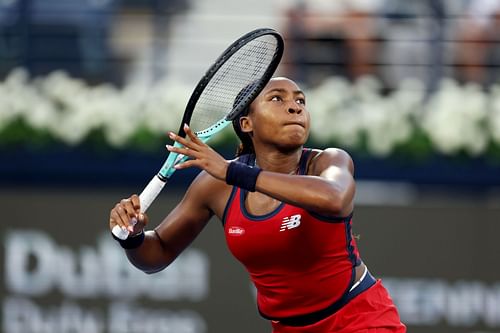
pixel 131 242
pixel 242 175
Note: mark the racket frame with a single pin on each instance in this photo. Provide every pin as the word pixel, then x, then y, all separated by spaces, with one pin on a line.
pixel 156 184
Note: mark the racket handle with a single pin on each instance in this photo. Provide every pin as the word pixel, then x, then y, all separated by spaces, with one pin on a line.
pixel 121 233
pixel 150 192
pixel 146 198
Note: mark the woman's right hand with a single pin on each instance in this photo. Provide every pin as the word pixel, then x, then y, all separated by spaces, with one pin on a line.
pixel 127 215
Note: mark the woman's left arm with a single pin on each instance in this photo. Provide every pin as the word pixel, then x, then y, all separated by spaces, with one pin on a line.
pixel 328 189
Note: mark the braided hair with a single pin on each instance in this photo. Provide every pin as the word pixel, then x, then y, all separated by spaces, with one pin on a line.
pixel 246 144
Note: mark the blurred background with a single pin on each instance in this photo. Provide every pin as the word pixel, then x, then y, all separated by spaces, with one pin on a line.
pixel 89 89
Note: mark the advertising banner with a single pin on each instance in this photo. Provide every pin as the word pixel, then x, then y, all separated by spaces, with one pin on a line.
pixel 61 272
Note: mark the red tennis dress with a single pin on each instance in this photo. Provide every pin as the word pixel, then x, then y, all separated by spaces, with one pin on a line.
pixel 303 267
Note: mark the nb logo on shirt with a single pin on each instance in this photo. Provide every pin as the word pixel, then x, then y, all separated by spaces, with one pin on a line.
pixel 290 222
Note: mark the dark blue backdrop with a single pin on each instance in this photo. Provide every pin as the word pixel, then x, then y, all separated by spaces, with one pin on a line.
pixel 84 166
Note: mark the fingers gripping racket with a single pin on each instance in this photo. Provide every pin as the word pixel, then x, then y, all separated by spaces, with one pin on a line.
pixel 226 89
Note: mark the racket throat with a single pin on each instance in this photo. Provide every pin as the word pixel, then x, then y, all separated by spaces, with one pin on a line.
pixel 162 178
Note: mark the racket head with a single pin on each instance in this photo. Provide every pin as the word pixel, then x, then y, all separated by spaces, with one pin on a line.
pixel 233 81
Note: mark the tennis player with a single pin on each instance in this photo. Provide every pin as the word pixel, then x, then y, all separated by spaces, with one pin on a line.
pixel 287 213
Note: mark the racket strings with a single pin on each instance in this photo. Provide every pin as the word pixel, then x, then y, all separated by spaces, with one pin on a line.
pixel 223 92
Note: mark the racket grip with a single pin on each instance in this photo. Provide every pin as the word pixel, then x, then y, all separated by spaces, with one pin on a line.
pixel 121 233
pixel 150 192
pixel 146 198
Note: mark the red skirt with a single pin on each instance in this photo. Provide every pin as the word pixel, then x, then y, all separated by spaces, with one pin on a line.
pixel 372 311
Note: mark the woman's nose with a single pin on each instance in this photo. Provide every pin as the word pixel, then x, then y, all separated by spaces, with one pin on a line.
pixel 295 108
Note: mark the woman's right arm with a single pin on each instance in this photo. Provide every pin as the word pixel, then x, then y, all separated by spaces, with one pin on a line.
pixel 163 244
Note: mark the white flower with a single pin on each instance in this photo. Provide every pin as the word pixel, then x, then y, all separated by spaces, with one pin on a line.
pixel 344 113
pixel 454 119
pixel 389 121
pixel 334 116
pixel 386 126
pixel 18 96
pixel 164 106
pixel 494 117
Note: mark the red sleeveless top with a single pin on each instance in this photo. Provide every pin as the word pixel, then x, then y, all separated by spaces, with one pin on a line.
pixel 299 261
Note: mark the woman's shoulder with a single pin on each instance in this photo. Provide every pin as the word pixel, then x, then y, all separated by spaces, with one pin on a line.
pixel 331 153
pixel 322 158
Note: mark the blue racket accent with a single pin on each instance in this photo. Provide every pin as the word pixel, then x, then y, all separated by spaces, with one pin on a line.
pixel 167 170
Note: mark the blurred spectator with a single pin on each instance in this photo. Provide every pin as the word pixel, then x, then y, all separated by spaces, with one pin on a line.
pixel 394 39
pixel 148 35
pixel 330 38
pixel 45 35
pixel 8 17
pixel 414 41
pixel 163 10
pixel 478 43
pixel 405 48
pixel 75 36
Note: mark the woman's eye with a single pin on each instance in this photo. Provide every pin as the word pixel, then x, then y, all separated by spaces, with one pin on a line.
pixel 301 101
pixel 276 98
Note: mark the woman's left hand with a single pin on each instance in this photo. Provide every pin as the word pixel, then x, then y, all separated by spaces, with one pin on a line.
pixel 202 155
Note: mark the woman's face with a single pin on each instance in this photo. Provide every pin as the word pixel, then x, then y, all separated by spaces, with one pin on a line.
pixel 278 116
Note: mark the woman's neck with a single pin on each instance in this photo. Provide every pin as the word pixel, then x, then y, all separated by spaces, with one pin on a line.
pixel 276 161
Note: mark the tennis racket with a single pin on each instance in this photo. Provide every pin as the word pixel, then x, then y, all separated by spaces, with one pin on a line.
pixel 226 89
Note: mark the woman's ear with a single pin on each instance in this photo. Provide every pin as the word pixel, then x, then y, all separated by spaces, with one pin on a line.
pixel 246 124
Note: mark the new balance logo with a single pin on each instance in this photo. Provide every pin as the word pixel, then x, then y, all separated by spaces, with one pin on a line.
pixel 290 222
